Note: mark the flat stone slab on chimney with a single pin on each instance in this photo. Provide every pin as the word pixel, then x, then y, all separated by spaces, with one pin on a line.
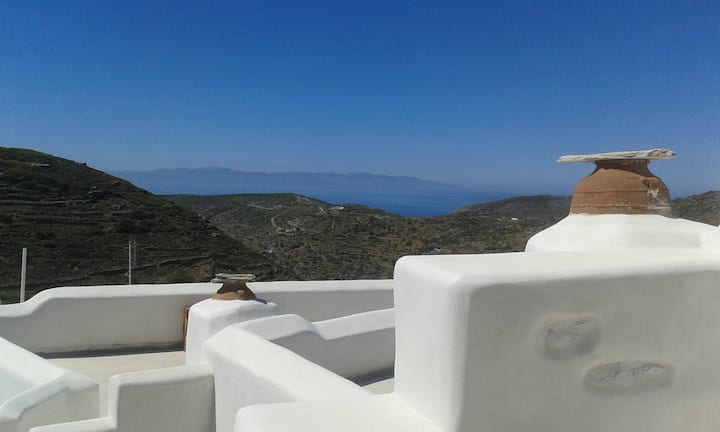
pixel 654 154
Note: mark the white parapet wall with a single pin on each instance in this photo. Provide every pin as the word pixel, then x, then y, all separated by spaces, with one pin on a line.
pixel 369 413
pixel 35 392
pixel 591 341
pixel 621 232
pixel 101 317
pixel 352 346
pixel 114 317
pixel 250 370
pixel 208 317
pixel 91 318
pixel 178 399
pixel 174 399
pixel 545 341
pixel 322 300
pixel 313 300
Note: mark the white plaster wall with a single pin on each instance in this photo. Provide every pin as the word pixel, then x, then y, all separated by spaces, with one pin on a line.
pixel 560 341
pixel 101 317
pixel 174 399
pixel 102 424
pixel 11 383
pixel 618 232
pixel 371 413
pixel 322 300
pixel 314 300
pixel 209 316
pixel 178 399
pixel 36 392
pixel 349 346
pixel 120 316
pixel 250 370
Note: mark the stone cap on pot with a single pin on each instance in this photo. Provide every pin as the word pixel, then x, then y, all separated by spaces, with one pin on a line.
pixel 654 154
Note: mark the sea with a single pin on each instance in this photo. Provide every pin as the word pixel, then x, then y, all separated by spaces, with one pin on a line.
pixel 414 205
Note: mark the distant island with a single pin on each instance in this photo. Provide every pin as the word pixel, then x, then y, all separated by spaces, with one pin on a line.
pixel 405 196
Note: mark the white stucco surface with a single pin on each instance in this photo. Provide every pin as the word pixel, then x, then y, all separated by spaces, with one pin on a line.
pixel 210 316
pixel 90 318
pixel 560 341
pixel 382 386
pixel 386 413
pixel 350 346
pixel 250 370
pixel 101 368
pixel 322 300
pixel 313 300
pixel 617 232
pixel 101 317
pixel 35 392
pixel 176 399
pixel 173 399
pixel 101 424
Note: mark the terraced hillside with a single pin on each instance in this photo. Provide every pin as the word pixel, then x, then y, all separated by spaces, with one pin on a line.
pixel 317 240
pixel 702 208
pixel 542 206
pixel 76 223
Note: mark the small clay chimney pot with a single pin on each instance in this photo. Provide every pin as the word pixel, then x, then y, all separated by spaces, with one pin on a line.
pixel 621 184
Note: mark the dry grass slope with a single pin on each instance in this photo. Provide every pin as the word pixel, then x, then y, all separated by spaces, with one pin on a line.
pixel 76 223
pixel 317 240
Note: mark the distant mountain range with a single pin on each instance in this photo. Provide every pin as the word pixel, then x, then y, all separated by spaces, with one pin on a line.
pixel 406 196
pixel 224 181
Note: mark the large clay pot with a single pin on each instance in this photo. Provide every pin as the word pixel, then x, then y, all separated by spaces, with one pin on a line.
pixel 621 186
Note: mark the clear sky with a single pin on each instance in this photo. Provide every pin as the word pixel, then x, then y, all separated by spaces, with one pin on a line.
pixel 475 92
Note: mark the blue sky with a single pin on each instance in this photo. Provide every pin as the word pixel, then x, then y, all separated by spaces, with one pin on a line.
pixel 478 93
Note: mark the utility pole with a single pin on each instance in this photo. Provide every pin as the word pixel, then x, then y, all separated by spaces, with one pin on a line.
pixel 129 262
pixel 23 269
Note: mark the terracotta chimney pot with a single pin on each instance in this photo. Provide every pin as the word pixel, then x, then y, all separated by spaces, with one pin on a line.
pixel 621 184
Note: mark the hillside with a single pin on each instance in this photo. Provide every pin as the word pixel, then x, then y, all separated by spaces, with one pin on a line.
pixel 76 223
pixel 543 206
pixel 702 208
pixel 316 240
